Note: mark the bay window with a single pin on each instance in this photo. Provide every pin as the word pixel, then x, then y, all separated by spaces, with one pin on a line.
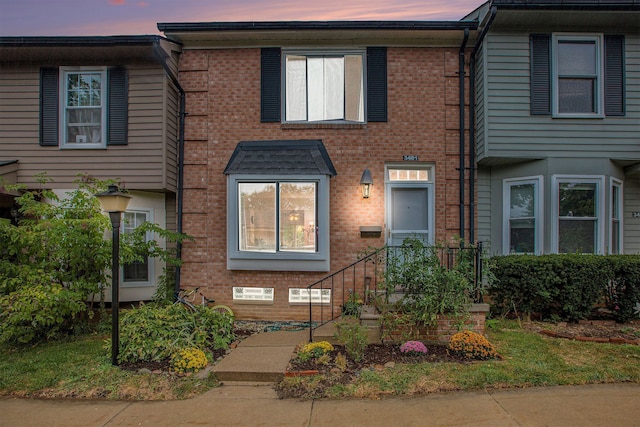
pixel 578 214
pixel 523 213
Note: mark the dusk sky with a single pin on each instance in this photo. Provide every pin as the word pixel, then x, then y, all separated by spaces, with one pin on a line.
pixel 114 17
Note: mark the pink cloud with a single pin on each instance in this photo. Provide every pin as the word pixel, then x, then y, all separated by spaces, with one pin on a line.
pixel 117 2
pixel 143 4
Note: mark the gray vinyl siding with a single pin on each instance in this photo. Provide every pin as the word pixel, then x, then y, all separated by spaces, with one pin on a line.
pixel 484 206
pixel 142 164
pixel 480 109
pixel 631 237
pixel 511 132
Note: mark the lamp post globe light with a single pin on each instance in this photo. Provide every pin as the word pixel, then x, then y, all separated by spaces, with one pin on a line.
pixel 114 202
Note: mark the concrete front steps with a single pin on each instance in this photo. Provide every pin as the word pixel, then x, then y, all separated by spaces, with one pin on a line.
pixel 265 357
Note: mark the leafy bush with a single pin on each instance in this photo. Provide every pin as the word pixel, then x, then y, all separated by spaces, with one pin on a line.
pixel 354 336
pixel 472 345
pixel 565 286
pixel 39 313
pixel 58 247
pixel 314 350
pixel 153 333
pixel 624 292
pixel 430 287
pixel 188 360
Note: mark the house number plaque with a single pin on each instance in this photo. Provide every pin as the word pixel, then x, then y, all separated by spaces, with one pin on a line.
pixel 410 158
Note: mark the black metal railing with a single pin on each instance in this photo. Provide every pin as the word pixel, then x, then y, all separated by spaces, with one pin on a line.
pixel 366 277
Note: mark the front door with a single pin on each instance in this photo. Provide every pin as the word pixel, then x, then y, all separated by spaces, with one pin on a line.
pixel 409 208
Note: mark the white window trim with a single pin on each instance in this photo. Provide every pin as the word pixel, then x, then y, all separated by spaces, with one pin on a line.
pixel 62 125
pixel 600 207
pixel 599 89
pixel 284 260
pixel 151 281
pixel 619 184
pixel 538 182
pixel 322 52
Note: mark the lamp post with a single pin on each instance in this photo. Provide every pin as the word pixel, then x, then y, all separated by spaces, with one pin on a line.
pixel 114 202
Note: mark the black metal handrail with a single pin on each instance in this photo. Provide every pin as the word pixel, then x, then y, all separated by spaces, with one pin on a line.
pixel 363 276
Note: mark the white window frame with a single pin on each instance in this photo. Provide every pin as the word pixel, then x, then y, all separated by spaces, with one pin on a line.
pixel 324 53
pixel 538 217
pixel 616 184
pixel 64 72
pixel 599 180
pixel 279 260
pixel 151 264
pixel 599 77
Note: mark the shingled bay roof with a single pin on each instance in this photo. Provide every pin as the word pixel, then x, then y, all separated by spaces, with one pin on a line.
pixel 280 157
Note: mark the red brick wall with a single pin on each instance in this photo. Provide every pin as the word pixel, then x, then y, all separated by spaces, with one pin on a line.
pixel 223 105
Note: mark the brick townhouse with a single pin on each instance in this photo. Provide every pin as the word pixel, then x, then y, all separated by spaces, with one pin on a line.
pixel 285 121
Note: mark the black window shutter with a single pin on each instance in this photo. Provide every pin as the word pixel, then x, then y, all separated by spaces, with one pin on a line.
pixel 540 74
pixel 270 79
pixel 614 97
pixel 376 84
pixel 49 106
pixel 118 107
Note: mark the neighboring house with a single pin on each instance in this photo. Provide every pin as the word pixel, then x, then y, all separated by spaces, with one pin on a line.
pixel 283 120
pixel 103 106
pixel 557 129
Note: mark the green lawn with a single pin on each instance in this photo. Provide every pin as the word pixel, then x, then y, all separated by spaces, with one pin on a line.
pixel 529 359
pixel 81 368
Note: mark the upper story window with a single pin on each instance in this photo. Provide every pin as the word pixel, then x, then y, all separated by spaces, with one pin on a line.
pixel 83 107
pixel 578 71
pixel 83 112
pixel 577 75
pixel 324 87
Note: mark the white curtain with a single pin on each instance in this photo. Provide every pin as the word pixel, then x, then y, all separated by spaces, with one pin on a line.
pixel 296 87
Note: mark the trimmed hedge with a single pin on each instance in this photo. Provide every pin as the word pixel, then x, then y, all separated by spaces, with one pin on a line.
pixel 566 286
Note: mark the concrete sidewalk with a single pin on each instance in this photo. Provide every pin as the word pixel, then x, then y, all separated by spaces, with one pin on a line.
pixel 257 405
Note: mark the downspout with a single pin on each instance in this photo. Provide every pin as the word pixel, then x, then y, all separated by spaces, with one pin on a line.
pixel 461 166
pixel 180 196
pixel 472 124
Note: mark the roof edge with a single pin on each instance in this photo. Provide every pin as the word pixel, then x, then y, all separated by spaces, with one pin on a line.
pixel 313 25
pixel 50 41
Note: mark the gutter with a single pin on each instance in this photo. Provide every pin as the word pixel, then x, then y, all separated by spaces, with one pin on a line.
pixel 472 127
pixel 461 167
pixel 180 196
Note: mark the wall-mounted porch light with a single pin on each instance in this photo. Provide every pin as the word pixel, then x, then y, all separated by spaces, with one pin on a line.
pixel 366 182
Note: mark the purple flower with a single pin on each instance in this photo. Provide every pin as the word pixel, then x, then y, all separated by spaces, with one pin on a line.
pixel 413 347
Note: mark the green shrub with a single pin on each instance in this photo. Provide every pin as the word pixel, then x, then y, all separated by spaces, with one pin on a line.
pixel 155 333
pixel 39 313
pixel 430 288
pixel 354 336
pixel 565 286
pixel 624 292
